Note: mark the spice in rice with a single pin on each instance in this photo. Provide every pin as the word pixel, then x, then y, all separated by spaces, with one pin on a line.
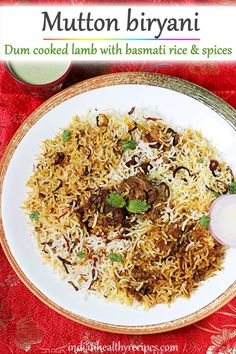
pixel 116 202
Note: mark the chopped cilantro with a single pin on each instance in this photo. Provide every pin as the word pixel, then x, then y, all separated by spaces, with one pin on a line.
pixel 81 254
pixel 201 160
pixel 115 257
pixel 137 206
pixel 116 200
pixel 232 188
pixel 34 216
pixel 66 135
pixel 204 221
pixel 129 145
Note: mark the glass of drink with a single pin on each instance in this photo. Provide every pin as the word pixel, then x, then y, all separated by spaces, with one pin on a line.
pixel 39 78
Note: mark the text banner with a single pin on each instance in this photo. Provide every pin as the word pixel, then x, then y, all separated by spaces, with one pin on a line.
pixel 95 33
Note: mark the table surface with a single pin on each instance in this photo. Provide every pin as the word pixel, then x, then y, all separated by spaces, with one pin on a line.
pixel 28 325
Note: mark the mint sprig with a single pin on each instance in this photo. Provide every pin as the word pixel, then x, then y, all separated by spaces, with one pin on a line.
pixel 129 145
pixel 137 206
pixel 115 257
pixel 232 188
pixel 116 200
pixel 81 254
pixel 66 135
pixel 204 221
pixel 34 216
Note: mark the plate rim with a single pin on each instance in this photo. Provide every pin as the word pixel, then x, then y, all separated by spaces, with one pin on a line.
pixel 209 99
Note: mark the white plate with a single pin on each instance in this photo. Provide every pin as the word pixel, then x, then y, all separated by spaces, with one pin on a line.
pixel 177 108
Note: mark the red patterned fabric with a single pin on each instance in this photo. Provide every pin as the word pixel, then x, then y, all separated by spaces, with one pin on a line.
pixel 26 324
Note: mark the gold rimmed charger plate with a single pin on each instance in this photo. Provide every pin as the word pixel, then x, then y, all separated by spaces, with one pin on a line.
pixel 127 78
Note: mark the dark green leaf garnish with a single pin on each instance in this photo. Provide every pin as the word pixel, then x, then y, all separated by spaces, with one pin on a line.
pixel 66 135
pixel 81 254
pixel 34 216
pixel 137 206
pixel 205 220
pixel 116 200
pixel 232 188
pixel 129 145
pixel 217 194
pixel 115 257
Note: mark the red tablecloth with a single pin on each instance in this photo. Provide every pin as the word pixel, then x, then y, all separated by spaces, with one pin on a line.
pixel 26 324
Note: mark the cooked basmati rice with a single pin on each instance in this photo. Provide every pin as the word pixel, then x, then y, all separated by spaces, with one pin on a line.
pixel 156 260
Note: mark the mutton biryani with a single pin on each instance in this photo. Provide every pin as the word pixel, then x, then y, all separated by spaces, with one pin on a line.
pixel 119 204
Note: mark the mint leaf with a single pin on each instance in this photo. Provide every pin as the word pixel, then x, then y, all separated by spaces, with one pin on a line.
pixel 116 200
pixel 217 194
pixel 204 221
pixel 66 135
pixel 34 216
pixel 137 206
pixel 232 188
pixel 115 257
pixel 81 254
pixel 129 145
